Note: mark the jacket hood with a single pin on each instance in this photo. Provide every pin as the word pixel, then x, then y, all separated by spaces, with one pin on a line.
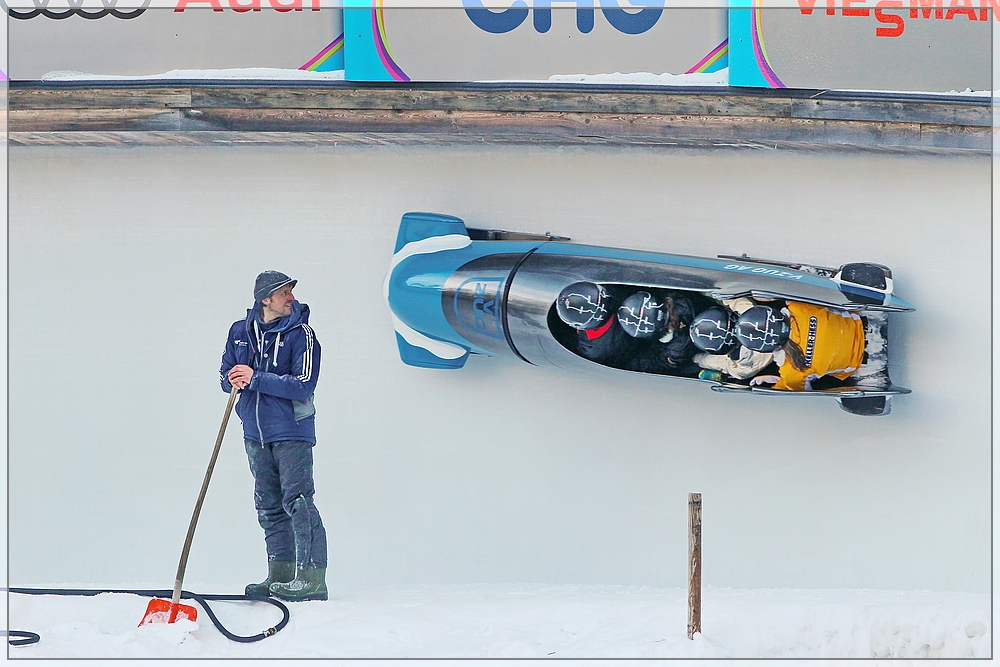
pixel 300 315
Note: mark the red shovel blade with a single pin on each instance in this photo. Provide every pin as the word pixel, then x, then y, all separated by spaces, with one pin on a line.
pixel 162 611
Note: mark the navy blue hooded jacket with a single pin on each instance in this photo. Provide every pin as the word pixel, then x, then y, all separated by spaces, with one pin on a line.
pixel 278 403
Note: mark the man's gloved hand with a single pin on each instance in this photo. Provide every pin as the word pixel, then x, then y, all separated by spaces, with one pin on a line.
pixel 764 379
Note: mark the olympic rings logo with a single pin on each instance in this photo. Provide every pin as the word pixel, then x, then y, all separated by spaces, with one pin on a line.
pixel 78 10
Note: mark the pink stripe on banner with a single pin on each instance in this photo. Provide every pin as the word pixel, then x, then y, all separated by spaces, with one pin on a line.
pixel 3 75
pixel 709 58
pixel 765 67
pixel 383 52
pixel 333 47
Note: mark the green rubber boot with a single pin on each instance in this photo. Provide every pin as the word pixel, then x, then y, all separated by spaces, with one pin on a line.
pixel 277 571
pixel 307 585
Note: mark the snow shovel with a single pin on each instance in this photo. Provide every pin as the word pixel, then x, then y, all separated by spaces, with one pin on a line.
pixel 170 611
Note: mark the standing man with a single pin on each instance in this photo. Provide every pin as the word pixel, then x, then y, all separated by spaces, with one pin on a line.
pixel 273 356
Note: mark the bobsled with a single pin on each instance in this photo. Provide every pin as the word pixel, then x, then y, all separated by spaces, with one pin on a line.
pixel 454 291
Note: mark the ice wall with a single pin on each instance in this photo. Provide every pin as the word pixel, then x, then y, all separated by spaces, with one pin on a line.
pixel 128 265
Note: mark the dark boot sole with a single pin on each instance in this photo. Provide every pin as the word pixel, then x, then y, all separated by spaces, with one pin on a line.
pixel 307 598
pixel 259 591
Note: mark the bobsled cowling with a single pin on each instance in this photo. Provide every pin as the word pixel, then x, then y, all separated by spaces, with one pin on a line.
pixel 454 291
pixel 431 251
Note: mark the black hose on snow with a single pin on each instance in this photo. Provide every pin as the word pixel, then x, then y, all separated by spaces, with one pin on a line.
pixel 31 637
pixel 28 637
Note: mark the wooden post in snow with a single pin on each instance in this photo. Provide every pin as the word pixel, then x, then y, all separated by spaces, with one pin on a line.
pixel 694 564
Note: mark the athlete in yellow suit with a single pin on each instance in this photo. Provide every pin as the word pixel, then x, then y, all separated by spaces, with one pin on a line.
pixel 807 342
pixel 832 342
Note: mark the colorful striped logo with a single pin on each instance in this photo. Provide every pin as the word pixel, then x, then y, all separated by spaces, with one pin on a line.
pixel 317 61
pixel 382 46
pixel 707 63
pixel 760 53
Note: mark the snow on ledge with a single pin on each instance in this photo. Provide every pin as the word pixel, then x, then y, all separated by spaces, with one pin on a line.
pixel 271 73
pixel 713 79
pixel 719 78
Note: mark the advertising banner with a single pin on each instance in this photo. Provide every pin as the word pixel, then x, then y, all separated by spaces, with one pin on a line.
pixel 900 45
pixel 894 45
pixel 193 35
pixel 531 41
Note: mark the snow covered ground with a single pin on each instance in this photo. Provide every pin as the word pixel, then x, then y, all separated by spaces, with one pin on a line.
pixel 528 621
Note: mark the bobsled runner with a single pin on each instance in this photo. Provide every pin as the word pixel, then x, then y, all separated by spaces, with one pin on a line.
pixel 455 291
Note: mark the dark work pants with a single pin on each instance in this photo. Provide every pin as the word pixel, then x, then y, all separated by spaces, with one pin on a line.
pixel 283 495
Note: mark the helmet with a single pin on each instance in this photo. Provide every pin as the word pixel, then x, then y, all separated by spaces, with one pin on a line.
pixel 642 315
pixel 583 305
pixel 712 330
pixel 762 328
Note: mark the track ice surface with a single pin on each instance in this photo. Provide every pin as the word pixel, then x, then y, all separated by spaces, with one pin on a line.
pixel 128 265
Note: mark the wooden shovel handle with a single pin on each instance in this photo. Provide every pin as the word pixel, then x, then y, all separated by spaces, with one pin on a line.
pixel 201 499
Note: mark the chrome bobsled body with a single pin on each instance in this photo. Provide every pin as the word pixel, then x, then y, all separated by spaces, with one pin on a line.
pixel 455 291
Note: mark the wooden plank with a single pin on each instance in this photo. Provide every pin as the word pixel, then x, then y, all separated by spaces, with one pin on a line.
pixel 602 126
pixel 285 99
pixel 722 104
pixel 938 136
pixel 97 98
pixel 694 564
pixel 39 120
pixel 509 127
pixel 110 139
pixel 337 139
pixel 332 139
pixel 491 100
pixel 895 112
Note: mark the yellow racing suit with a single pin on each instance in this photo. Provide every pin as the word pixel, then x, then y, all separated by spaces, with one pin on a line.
pixel 833 342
